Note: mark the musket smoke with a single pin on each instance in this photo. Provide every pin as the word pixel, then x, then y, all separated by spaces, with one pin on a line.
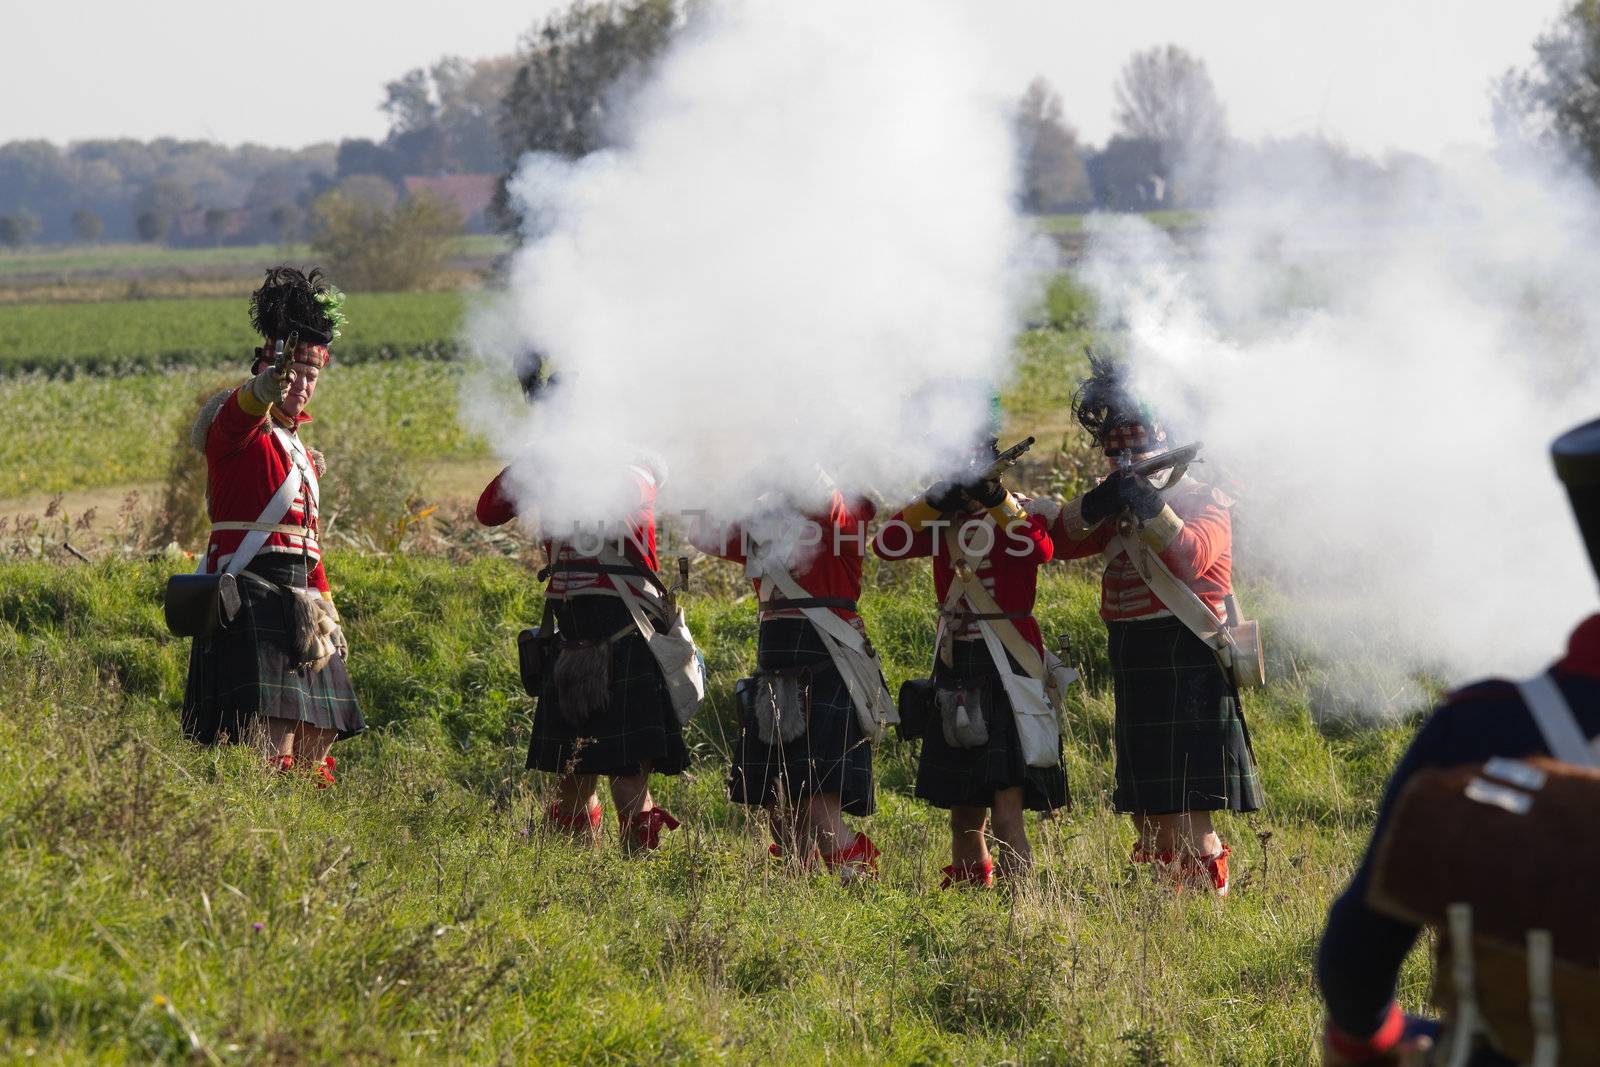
pixel 1383 378
pixel 804 254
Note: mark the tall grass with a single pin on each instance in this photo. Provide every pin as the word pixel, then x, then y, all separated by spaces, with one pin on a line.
pixel 172 903
pixel 91 432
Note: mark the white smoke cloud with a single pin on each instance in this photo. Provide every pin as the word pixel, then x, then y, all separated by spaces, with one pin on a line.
pixel 804 253
pixel 1384 377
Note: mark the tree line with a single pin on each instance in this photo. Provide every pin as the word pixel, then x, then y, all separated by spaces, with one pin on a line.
pixel 571 73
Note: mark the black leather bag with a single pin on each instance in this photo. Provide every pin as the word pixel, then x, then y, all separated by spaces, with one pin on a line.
pixel 918 697
pixel 535 658
pixel 192 604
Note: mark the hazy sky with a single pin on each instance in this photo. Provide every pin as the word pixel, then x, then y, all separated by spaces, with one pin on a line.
pixel 1377 74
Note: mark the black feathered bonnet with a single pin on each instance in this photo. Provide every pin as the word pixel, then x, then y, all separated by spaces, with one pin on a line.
pixel 1106 407
pixel 290 301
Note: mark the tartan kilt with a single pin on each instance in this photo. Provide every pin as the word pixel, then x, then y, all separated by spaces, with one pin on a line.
pixel 1182 743
pixel 832 756
pixel 245 672
pixel 638 722
pixel 955 777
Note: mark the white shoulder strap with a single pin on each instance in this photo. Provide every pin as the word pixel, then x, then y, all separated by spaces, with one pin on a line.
pixel 252 541
pixel 1556 723
pixel 996 632
pixel 822 618
pixel 1175 596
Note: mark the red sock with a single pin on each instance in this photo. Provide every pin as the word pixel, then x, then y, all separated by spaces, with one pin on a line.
pixel 574 823
pixel 643 831
pixel 860 857
pixel 325 773
pixel 974 874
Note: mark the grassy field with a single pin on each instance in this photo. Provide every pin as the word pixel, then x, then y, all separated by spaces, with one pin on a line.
pixel 176 904
pixel 91 432
pixel 1076 221
pixel 68 260
pixel 126 335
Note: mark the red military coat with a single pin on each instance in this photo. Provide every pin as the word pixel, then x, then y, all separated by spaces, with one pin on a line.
pixel 1193 536
pixel 636 537
pixel 833 568
pixel 246 463
pixel 1009 570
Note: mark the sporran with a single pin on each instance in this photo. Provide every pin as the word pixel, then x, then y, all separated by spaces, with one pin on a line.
pixel 780 703
pixel 583 679
pixel 961 717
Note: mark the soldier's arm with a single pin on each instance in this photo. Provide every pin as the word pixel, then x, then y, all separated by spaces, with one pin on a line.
pixel 903 538
pixel 719 539
pixel 240 418
pixel 495 506
pixel 1072 537
pixel 1190 544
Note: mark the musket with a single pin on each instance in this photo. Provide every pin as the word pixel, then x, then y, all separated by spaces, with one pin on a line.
pixel 1178 458
pixel 283 354
pixel 1006 460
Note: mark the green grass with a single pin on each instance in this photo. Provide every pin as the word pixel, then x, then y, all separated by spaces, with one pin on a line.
pixel 127 335
pixel 90 432
pixel 68 260
pixel 1075 222
pixel 409 914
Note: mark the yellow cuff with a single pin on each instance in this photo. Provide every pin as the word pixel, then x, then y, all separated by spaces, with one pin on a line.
pixel 1162 530
pixel 1007 512
pixel 248 401
pixel 918 514
pixel 1071 520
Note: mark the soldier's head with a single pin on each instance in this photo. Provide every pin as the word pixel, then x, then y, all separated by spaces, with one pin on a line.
pixel 291 304
pixel 1577 458
pixel 1119 422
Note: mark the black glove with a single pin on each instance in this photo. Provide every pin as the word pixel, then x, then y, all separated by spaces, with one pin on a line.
pixel 988 493
pixel 946 497
pixel 1140 497
pixel 1104 500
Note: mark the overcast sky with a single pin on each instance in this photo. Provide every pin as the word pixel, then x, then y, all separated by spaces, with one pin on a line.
pixel 1376 74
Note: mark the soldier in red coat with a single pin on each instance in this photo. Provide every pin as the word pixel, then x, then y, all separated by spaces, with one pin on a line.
pixel 980 533
pixel 275 672
pixel 604 708
pixel 803 754
pixel 1182 747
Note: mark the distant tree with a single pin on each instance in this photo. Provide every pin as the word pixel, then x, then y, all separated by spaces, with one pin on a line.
pixel 87 225
pixel 1556 99
pixel 19 228
pixel 158 207
pixel 574 70
pixel 1127 175
pixel 286 221
pixel 1053 174
pixel 443 119
pixel 1166 96
pixel 373 248
pixel 380 193
pixel 363 156
pixel 216 223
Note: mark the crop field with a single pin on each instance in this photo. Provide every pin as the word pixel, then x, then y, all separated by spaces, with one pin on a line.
pixel 120 336
pixel 69 260
pixel 90 432
pixel 172 903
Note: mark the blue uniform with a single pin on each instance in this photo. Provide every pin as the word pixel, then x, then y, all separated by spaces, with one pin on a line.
pixel 1362 950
